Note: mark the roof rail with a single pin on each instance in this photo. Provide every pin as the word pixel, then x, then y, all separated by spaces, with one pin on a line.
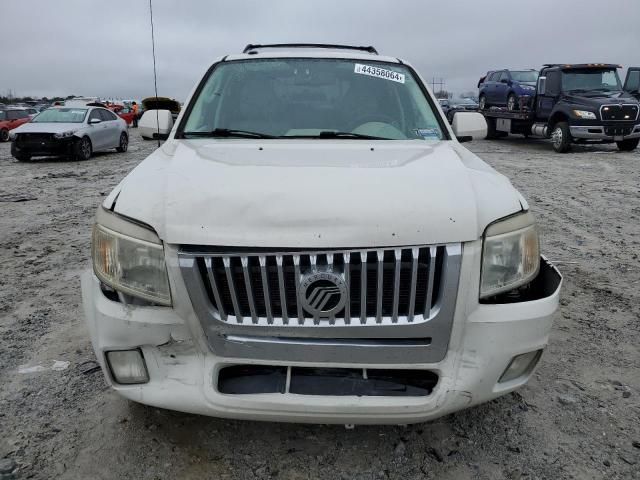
pixel 368 49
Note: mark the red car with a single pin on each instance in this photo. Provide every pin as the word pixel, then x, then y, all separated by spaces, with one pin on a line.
pixel 10 119
pixel 123 112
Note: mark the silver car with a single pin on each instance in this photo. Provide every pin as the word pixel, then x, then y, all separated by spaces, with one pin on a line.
pixel 75 132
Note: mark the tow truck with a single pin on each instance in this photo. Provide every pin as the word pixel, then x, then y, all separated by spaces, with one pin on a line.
pixel 575 103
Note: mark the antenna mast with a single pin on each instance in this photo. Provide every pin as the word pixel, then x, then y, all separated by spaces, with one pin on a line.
pixel 155 78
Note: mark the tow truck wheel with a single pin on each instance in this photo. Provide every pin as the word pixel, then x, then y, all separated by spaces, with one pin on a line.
pixel 4 135
pixel 512 103
pixel 491 128
pixel 561 137
pixel 628 145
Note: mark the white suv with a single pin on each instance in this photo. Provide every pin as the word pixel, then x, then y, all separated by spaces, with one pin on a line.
pixel 312 243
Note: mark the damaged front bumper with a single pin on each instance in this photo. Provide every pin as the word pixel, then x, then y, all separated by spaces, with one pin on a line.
pixel 184 373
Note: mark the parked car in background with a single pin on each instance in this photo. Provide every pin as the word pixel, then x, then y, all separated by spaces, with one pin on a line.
pixel 251 268
pixel 75 132
pixel 461 105
pixel 10 119
pixel 445 104
pixel 161 103
pixel 506 88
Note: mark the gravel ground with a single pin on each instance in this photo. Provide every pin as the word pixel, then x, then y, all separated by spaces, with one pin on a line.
pixel 577 418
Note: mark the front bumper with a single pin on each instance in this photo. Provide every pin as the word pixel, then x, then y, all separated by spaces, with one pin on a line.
pixel 183 369
pixel 45 147
pixel 605 132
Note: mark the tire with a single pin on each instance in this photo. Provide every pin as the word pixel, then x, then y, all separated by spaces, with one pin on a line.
pixel 83 149
pixel 491 129
pixel 561 137
pixel 482 102
pixel 628 145
pixel 22 158
pixel 4 135
pixel 512 102
pixel 124 143
pixel 450 117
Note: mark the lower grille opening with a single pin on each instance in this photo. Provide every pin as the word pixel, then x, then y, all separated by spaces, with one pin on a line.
pixel 252 379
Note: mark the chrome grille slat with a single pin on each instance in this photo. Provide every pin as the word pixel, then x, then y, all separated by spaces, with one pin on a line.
pixel 214 287
pixel 347 279
pixel 415 252
pixel 397 256
pixel 265 288
pixel 363 287
pixel 379 286
pixel 384 286
pixel 232 288
pixel 283 294
pixel 431 269
pixel 247 285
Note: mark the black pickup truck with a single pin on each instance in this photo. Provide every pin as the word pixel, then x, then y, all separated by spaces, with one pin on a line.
pixel 579 103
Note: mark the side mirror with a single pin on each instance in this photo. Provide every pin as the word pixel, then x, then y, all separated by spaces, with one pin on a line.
pixel 542 85
pixel 93 121
pixel 468 126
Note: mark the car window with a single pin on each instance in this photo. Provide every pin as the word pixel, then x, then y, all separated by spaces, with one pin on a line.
pixel 106 115
pixel 3 116
pixel 95 114
pixel 504 75
pixel 61 115
pixel 526 76
pixel 16 114
pixel 633 81
pixel 301 97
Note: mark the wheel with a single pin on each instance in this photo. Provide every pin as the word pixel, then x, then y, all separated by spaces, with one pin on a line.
pixel 83 149
pixel 491 129
pixel 450 116
pixel 512 103
pixel 628 145
pixel 124 143
pixel 22 158
pixel 4 135
pixel 482 104
pixel 561 137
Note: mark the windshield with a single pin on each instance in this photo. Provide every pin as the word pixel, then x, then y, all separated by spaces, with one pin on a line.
pixel 528 76
pixel 590 79
pixel 61 115
pixel 313 98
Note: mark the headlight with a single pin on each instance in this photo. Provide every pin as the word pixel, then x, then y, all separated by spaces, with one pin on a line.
pixel 12 135
pixel 130 265
pixel 64 134
pixel 510 256
pixel 585 115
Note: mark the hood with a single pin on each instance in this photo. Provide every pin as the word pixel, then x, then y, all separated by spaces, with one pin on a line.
pixel 314 193
pixel 44 127
pixel 597 99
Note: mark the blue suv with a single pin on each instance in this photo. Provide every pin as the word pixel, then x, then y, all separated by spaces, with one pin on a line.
pixel 502 88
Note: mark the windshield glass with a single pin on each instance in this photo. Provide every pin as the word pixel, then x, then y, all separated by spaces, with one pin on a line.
pixel 528 76
pixel 304 97
pixel 590 79
pixel 61 115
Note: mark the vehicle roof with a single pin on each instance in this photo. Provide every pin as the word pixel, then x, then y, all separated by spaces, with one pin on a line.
pixel 569 66
pixel 313 53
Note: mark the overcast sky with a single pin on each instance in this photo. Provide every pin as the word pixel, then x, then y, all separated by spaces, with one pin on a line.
pixel 103 48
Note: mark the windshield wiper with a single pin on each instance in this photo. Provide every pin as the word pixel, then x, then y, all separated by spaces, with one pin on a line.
pixel 227 133
pixel 334 134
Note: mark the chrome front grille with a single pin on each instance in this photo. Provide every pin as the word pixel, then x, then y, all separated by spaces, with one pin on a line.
pixel 383 286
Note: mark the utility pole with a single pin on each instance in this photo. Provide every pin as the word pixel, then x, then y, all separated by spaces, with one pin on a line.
pixel 439 82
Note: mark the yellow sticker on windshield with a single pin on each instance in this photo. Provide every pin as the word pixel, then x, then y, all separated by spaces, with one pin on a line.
pixel 379 73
